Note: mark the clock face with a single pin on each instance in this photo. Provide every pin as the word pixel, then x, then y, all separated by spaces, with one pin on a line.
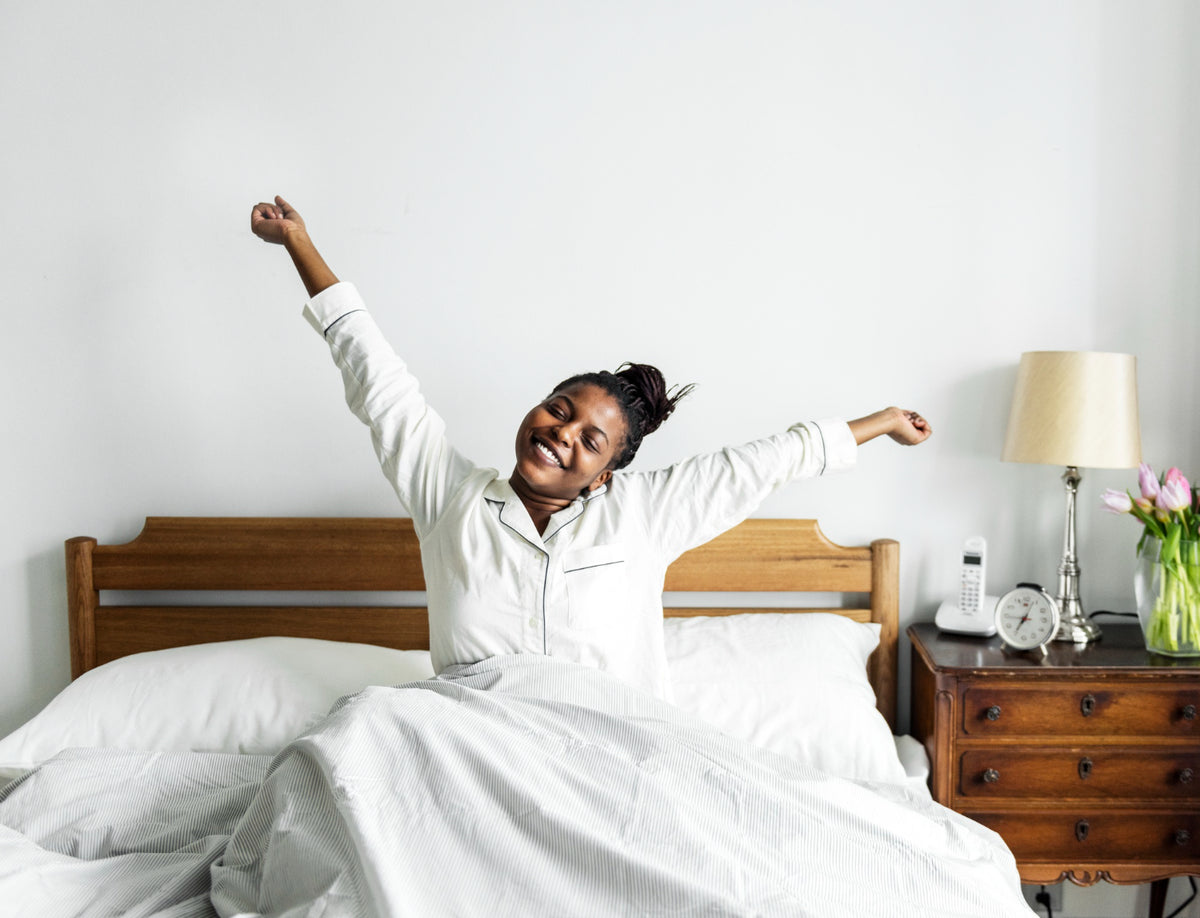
pixel 1026 617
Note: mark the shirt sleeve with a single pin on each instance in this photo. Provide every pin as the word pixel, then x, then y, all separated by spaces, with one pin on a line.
pixel 697 499
pixel 409 436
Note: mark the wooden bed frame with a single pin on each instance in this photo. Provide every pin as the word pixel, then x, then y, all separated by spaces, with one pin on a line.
pixel 332 554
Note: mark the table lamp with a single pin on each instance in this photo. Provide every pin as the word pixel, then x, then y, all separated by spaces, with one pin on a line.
pixel 1073 409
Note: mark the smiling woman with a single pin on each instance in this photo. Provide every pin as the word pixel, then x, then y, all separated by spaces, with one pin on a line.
pixel 566 446
pixel 566 557
pixel 590 426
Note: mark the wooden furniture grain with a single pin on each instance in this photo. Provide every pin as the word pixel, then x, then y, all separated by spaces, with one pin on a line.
pixel 322 555
pixel 1086 760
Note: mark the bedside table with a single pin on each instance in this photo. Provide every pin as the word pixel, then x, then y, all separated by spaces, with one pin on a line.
pixel 1086 761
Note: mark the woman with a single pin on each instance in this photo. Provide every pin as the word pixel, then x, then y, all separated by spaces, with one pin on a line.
pixel 567 555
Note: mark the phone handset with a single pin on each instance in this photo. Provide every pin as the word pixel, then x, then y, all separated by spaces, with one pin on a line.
pixel 972 611
pixel 973 577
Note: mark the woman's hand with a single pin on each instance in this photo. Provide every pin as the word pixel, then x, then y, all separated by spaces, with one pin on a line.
pixel 905 427
pixel 911 429
pixel 281 224
pixel 275 222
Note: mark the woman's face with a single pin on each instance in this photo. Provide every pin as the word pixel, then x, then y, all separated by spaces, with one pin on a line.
pixel 565 444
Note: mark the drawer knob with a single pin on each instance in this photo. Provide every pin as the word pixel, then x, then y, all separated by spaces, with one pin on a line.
pixel 1087 705
pixel 1183 837
pixel 1085 768
pixel 1082 828
pixel 1189 712
pixel 1186 775
pixel 991 776
pixel 993 712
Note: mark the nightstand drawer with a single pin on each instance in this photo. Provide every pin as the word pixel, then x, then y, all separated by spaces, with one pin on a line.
pixel 1102 772
pixel 1086 837
pixel 1088 709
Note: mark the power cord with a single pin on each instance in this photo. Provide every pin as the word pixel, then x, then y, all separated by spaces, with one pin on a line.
pixel 1043 898
pixel 1118 614
pixel 1186 902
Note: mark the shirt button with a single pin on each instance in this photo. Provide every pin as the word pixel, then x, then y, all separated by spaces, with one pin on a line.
pixel 533 623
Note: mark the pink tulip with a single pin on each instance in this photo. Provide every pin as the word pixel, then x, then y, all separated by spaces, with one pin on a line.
pixel 1144 504
pixel 1147 482
pixel 1174 496
pixel 1116 501
pixel 1174 475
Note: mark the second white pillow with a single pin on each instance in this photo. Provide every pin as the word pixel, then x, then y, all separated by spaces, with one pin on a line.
pixel 794 683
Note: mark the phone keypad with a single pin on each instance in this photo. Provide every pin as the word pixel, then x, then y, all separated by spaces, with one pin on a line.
pixel 969 596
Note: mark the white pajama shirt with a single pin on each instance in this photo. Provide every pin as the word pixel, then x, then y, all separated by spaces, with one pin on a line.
pixel 588 589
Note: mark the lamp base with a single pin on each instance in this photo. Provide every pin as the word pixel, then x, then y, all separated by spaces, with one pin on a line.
pixel 1077 630
pixel 1073 626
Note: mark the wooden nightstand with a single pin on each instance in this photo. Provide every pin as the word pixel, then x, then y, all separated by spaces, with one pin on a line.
pixel 1086 761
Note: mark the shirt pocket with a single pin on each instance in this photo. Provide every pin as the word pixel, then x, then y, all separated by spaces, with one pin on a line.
pixel 597 585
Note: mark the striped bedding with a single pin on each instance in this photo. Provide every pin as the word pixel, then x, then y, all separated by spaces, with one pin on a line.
pixel 517 786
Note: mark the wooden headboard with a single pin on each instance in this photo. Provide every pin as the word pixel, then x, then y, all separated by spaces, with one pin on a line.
pixel 332 554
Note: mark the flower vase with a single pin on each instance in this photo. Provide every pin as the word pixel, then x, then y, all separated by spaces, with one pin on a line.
pixel 1167 588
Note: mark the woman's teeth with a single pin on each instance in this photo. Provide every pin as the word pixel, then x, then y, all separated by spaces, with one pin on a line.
pixel 549 454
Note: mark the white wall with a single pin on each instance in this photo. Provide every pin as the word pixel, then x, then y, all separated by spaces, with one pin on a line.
pixel 808 208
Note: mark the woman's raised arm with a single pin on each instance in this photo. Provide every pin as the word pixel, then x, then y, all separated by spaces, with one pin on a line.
pixel 281 224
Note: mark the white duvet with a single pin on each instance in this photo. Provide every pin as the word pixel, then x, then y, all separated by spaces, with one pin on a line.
pixel 517 786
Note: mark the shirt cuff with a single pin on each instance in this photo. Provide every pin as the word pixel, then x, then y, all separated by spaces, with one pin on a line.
pixel 331 304
pixel 841 449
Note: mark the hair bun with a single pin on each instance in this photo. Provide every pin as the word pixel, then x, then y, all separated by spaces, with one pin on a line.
pixel 651 389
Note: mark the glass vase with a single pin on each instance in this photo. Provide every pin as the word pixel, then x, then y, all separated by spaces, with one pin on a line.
pixel 1167 588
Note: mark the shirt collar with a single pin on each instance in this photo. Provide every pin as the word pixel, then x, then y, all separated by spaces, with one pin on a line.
pixel 512 512
pixel 499 491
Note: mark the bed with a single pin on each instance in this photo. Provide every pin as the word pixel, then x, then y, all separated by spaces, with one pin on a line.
pixel 254 728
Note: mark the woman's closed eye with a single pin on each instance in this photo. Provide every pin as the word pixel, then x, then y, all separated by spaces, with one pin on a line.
pixel 560 413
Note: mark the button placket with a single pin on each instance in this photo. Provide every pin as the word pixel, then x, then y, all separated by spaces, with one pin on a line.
pixel 554 607
pixel 533 599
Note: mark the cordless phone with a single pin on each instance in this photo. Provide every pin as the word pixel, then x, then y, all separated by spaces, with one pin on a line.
pixel 972 611
pixel 973 577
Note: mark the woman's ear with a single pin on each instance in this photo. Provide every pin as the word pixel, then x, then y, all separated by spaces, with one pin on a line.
pixel 601 479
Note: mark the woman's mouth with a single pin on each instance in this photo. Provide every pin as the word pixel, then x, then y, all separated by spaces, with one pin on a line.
pixel 551 455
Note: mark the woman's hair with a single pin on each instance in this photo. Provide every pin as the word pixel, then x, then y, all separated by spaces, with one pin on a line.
pixel 644 398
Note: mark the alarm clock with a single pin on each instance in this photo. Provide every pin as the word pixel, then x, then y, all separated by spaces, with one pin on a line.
pixel 1027 617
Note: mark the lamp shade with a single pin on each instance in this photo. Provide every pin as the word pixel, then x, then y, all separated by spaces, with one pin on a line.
pixel 1075 408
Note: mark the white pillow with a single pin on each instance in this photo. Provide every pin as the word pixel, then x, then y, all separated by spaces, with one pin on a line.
pixel 250 696
pixel 794 683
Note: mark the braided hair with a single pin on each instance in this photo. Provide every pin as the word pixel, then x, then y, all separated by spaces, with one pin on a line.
pixel 642 394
